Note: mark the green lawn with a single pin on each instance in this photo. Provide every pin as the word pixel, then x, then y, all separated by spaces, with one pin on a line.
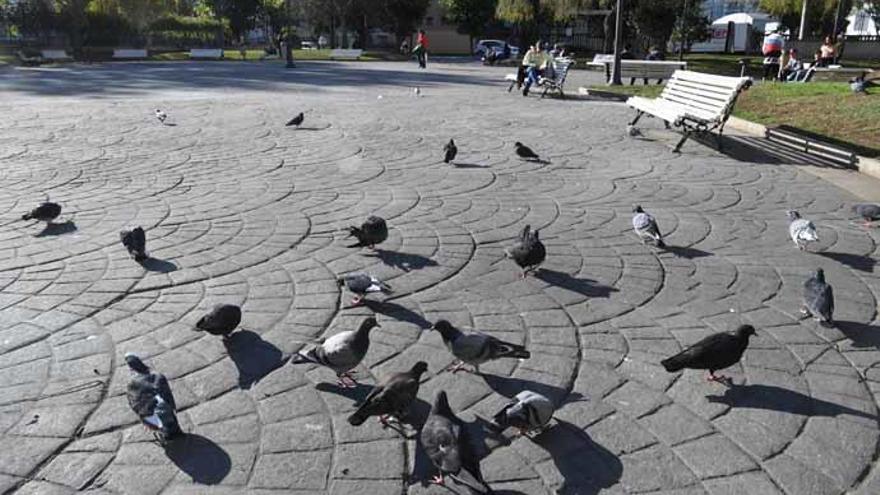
pixel 826 109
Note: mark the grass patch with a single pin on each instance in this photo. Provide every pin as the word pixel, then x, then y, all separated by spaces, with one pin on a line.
pixel 648 91
pixel 8 60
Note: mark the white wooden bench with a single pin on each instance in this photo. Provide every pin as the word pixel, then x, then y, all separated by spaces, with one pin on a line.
pixel 345 54
pixel 693 101
pixel 649 69
pixel 214 53
pixel 129 53
pixel 55 55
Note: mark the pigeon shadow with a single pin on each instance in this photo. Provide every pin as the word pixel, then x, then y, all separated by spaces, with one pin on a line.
pixel 585 466
pixel 584 286
pixel 468 165
pixel 203 460
pixel 357 393
pixel 169 124
pixel 854 261
pixel 774 398
pixel 398 312
pixel 403 261
pixel 686 252
pixel 860 334
pixel 157 265
pixel 509 386
pixel 253 356
pixel 53 229
pixel 309 128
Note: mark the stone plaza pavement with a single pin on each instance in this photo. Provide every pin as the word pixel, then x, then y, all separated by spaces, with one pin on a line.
pixel 239 209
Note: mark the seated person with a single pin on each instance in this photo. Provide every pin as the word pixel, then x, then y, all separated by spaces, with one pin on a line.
pixel 535 62
pixel 792 66
pixel 828 51
pixel 653 54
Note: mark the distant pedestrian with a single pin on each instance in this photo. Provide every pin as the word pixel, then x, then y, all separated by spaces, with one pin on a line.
pixel 421 49
pixel 404 47
pixel 322 42
pixel 656 55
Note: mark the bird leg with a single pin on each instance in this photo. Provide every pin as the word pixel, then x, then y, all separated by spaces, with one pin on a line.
pixel 352 383
pixel 456 367
pixel 438 480
pixel 716 378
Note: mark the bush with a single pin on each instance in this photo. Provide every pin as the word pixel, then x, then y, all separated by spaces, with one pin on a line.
pixel 185 31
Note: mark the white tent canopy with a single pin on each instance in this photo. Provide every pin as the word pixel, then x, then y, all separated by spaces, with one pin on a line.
pixel 743 24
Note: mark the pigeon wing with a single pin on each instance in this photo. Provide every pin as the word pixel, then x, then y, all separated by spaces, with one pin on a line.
pixel 164 390
pixel 471 348
pixel 358 282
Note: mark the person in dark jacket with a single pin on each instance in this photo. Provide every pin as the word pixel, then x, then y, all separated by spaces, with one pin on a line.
pixel 657 55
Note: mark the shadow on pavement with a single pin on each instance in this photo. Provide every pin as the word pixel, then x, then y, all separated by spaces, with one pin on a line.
pixel 854 261
pixel 157 265
pixel 53 229
pixel 253 356
pixel 203 460
pixel 774 398
pixel 584 286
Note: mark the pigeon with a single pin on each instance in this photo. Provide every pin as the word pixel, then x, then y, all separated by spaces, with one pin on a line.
pixel 446 443
pixel 362 284
pixel 161 115
pixel 476 348
pixel 529 252
pixel 524 151
pixel 391 397
pixel 858 85
pixel 373 231
pixel 222 320
pixel 46 212
pixel 819 298
pixel 297 121
pixel 715 352
pixel 530 411
pixel 801 230
pixel 633 131
pixel 150 397
pixel 417 92
pixel 869 212
pixel 451 150
pixel 341 352
pixel 135 241
pixel 646 227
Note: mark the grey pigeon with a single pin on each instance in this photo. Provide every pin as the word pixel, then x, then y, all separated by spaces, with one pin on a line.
pixel 162 116
pixel 391 397
pixel 341 352
pixel 46 212
pixel 373 231
pixel 222 320
pixel 450 151
pixel 713 353
pixel 801 230
pixel 529 252
pixel 476 348
pixel 296 121
pixel 530 411
pixel 868 212
pixel 150 397
pixel 135 241
pixel 646 227
pixel 633 131
pixel 858 85
pixel 361 284
pixel 525 152
pixel 819 298
pixel 447 444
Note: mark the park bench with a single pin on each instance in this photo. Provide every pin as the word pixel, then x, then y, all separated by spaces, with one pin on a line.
pixel 837 74
pixel 55 55
pixel 346 54
pixel 212 53
pixel 26 59
pixel 129 53
pixel 693 101
pixel 561 66
pixel 637 69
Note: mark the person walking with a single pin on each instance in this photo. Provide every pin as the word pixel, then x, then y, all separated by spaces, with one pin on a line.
pixel 772 48
pixel 421 49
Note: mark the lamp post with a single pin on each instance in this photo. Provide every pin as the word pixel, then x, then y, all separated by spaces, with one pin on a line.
pixel 682 34
pixel 803 27
pixel 618 25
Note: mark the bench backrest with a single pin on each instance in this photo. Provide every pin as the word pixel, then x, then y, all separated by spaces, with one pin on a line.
pixel 346 53
pixel 708 93
pixel 129 53
pixel 603 58
pixel 560 69
pixel 206 53
pixel 55 54
pixel 650 69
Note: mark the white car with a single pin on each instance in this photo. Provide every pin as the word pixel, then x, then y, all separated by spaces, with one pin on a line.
pixel 483 46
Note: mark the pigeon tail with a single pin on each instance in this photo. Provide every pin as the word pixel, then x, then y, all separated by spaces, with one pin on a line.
pixel 508 350
pixel 26 216
pixel 472 481
pixel 305 357
pixel 358 233
pixel 675 363
pixel 358 417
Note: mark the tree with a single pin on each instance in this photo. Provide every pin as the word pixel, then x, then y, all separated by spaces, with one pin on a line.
pixel 404 16
pixel 471 16
pixel 820 13
pixel 241 14
pixel 141 13
pixel 694 27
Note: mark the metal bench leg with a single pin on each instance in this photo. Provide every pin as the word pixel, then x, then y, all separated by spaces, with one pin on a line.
pixel 638 116
pixel 681 141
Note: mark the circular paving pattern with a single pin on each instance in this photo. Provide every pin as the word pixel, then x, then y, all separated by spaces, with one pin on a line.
pixel 239 209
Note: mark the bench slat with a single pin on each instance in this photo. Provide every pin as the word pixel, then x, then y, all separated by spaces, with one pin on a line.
pixel 699 77
pixel 706 101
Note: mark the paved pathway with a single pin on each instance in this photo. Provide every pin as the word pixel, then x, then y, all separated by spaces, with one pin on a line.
pixel 239 209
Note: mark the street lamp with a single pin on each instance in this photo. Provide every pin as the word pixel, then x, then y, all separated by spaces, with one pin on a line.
pixel 682 34
pixel 618 25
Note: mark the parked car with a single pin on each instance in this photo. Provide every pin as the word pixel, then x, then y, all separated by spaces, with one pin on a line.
pixel 484 45
pixel 308 45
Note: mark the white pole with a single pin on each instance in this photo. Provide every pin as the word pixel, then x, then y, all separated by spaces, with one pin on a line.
pixel 803 21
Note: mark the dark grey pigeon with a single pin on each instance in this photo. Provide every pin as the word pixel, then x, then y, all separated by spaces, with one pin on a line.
pixel 451 150
pixel 868 212
pixel 393 396
pixel 819 298
pixel 296 121
pixel 46 212
pixel 222 320
pixel 530 411
pixel 525 152
pixel 341 352
pixel 529 252
pixel 373 231
pixel 446 443
pixel 713 353
pixel 476 348
pixel 150 397
pixel 361 284
pixel 135 241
